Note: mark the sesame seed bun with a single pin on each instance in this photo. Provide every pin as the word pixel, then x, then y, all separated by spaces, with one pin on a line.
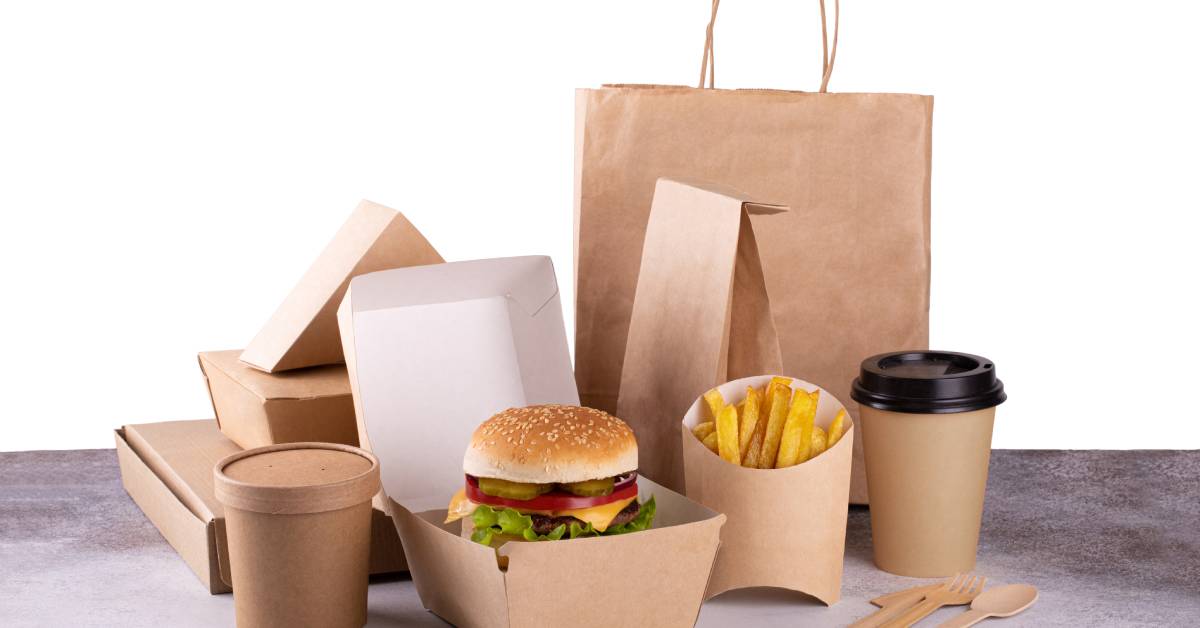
pixel 552 443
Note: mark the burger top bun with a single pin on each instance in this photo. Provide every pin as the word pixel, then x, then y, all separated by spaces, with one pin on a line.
pixel 551 443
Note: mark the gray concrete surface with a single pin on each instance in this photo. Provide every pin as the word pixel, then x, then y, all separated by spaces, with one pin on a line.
pixel 1110 539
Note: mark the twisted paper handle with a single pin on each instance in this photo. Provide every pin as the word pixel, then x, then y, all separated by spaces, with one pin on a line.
pixel 708 69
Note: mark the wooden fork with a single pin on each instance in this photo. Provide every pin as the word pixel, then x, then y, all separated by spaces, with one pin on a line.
pixel 961 590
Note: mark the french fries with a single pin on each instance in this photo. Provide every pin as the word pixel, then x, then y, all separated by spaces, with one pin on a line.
pixel 819 441
pixel 796 444
pixel 749 421
pixel 753 457
pixel 780 398
pixel 773 427
pixel 704 429
pixel 728 446
pixel 837 427
pixel 715 402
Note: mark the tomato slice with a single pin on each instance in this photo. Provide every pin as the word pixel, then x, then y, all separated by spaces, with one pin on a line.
pixel 624 488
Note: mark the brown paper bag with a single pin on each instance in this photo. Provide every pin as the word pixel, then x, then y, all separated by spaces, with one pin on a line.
pixel 847 268
pixel 701 317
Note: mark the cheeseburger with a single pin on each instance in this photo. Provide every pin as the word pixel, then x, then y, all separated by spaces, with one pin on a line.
pixel 545 473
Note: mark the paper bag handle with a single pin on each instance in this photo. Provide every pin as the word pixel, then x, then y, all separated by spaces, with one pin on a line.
pixel 708 67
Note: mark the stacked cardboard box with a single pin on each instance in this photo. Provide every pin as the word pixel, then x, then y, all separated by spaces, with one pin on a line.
pixel 167 468
pixel 288 385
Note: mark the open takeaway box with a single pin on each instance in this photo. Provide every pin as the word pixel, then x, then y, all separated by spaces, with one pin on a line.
pixel 167 469
pixel 432 352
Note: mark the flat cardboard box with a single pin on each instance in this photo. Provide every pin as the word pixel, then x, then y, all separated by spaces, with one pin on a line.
pixel 255 409
pixel 434 351
pixel 303 331
pixel 167 470
pixel 786 527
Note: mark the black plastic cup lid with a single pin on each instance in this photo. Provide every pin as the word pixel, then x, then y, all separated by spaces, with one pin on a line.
pixel 928 382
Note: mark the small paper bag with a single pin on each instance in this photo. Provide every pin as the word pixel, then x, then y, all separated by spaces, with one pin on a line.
pixel 700 315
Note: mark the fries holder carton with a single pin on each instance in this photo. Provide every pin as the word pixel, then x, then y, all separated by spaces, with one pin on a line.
pixel 256 409
pixel 167 469
pixel 786 527
pixel 434 351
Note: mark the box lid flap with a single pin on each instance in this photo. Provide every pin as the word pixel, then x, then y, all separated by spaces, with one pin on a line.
pixel 528 281
pixel 434 351
pixel 308 383
pixel 182 454
pixel 303 331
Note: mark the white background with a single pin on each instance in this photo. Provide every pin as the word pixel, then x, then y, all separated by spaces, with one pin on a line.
pixel 168 170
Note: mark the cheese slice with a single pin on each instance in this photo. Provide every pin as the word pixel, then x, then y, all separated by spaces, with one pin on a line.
pixel 598 516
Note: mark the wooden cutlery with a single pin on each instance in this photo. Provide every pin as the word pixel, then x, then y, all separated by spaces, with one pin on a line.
pixel 902 609
pixel 961 590
pixel 893 604
pixel 1004 601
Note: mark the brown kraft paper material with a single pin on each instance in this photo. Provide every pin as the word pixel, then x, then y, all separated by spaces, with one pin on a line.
pixel 786 527
pixel 847 268
pixel 701 316
pixel 501 320
pixel 928 477
pixel 303 331
pixel 298 518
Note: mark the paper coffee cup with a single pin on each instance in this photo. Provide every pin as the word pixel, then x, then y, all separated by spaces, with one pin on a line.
pixel 926 420
pixel 298 522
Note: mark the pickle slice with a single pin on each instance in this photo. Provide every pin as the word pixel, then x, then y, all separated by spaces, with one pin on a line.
pixel 511 490
pixel 590 488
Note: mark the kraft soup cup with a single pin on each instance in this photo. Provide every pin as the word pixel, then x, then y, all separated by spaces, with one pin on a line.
pixel 785 527
pixel 927 435
pixel 298 522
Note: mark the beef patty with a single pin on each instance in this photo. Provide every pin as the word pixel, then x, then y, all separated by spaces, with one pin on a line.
pixel 544 524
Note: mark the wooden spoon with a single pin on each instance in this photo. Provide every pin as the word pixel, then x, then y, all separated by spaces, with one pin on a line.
pixel 1004 601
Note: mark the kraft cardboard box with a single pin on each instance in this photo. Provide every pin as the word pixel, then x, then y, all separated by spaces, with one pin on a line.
pixel 432 352
pixel 255 409
pixel 809 500
pixel 303 331
pixel 167 469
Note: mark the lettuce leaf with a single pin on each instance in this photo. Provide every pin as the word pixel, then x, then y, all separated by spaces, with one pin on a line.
pixel 642 521
pixel 582 530
pixel 557 533
pixel 483 536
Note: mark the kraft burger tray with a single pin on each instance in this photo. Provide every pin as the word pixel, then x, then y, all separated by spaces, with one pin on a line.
pixel 434 351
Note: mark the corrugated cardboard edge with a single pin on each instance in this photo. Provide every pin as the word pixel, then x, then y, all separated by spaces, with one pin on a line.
pixel 784 561
pixel 181 528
